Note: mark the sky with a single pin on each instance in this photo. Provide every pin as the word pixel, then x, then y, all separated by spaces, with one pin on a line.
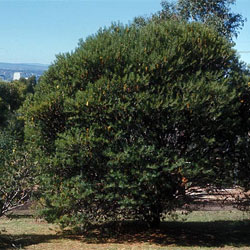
pixel 34 31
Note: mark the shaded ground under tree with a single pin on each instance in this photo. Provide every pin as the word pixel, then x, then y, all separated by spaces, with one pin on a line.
pixel 199 232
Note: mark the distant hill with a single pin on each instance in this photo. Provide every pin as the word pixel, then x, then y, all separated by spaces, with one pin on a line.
pixel 23 66
pixel 26 70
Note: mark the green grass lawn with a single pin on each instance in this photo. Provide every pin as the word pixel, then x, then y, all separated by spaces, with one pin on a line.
pixel 198 230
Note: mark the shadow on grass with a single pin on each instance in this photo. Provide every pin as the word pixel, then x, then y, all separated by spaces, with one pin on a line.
pixel 24 240
pixel 19 216
pixel 182 234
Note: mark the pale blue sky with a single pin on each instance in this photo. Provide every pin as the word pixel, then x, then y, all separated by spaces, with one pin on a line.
pixel 34 31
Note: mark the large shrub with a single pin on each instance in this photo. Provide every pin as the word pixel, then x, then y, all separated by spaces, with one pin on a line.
pixel 121 125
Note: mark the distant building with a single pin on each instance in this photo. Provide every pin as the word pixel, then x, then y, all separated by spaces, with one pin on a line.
pixel 17 76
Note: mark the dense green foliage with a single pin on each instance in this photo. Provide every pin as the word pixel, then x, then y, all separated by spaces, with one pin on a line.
pixel 122 125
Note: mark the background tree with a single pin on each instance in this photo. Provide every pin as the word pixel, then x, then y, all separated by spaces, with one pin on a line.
pixel 122 124
pixel 9 101
pixel 215 13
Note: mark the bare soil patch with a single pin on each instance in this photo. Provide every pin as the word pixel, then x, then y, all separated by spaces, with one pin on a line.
pixel 209 198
